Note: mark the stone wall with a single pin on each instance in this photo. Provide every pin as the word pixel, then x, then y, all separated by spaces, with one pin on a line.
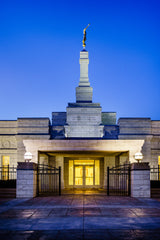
pixel 8 127
pixel 156 128
pixel 83 122
pixel 140 180
pixel 8 143
pixel 12 134
pixel 85 116
pixel 111 132
pixel 109 118
pixel 134 128
pixel 32 126
pixel 26 180
pixel 58 118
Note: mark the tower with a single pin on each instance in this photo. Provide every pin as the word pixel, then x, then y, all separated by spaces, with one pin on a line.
pixel 84 116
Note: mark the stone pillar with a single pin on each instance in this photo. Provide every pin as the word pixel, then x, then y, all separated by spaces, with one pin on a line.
pixel 60 163
pixel 109 161
pixel 140 180
pixel 26 180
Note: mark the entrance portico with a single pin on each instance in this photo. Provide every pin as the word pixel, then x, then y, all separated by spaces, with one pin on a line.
pixel 83 162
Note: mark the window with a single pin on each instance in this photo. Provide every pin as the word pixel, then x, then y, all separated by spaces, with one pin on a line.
pixel 5 164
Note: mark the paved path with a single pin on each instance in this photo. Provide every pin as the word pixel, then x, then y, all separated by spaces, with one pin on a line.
pixel 80 217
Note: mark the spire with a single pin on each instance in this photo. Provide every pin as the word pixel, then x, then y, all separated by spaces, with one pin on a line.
pixel 84 92
pixel 84 61
pixel 84 118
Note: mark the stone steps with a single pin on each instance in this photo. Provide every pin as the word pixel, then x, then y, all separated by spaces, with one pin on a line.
pixel 155 192
pixel 7 192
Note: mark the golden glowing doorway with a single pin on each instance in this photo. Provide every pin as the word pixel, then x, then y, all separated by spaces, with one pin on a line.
pixel 89 175
pixel 78 175
pixel 84 173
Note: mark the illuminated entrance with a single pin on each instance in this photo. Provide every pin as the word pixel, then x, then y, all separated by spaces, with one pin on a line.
pixel 84 173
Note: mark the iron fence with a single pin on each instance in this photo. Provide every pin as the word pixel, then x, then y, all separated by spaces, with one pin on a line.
pixel 8 176
pixel 118 180
pixel 48 180
pixel 155 173
pixel 155 177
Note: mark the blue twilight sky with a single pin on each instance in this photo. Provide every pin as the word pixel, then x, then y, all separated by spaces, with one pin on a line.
pixel 40 42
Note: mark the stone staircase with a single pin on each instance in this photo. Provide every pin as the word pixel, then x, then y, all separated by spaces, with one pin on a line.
pixel 155 192
pixel 7 192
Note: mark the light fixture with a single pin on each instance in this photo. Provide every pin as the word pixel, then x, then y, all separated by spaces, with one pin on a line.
pixel 138 157
pixel 28 156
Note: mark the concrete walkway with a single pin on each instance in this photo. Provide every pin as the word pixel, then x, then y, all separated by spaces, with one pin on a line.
pixel 80 217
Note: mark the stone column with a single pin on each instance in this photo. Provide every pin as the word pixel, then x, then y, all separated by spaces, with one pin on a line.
pixel 140 180
pixel 60 163
pixel 109 161
pixel 26 180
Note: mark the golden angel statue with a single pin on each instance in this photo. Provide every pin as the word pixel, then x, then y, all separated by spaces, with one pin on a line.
pixel 84 36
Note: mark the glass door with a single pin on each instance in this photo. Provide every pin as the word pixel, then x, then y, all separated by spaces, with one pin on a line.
pixel 89 176
pixel 84 173
pixel 78 176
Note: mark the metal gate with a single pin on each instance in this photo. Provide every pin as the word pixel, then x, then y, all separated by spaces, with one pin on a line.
pixel 118 180
pixel 8 176
pixel 155 181
pixel 48 180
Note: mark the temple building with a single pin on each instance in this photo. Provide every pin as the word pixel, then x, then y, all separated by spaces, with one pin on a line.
pixel 83 140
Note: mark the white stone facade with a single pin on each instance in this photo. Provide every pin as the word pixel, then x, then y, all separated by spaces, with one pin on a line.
pixel 82 132
pixel 84 122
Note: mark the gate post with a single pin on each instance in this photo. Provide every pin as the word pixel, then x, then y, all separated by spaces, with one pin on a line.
pixel 107 181
pixel 129 180
pixel 140 180
pixel 8 171
pixel 59 181
pixel 37 180
pixel 26 180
